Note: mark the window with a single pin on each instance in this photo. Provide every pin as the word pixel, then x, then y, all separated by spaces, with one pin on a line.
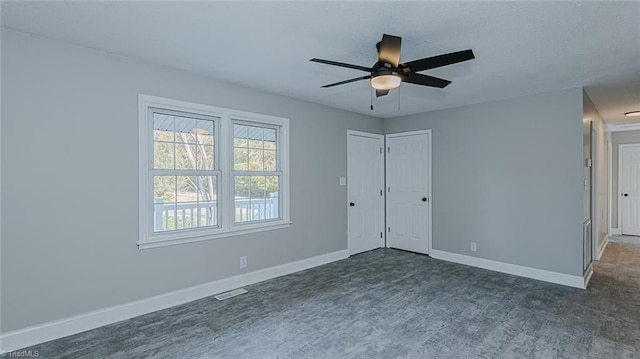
pixel 255 172
pixel 208 172
pixel 184 176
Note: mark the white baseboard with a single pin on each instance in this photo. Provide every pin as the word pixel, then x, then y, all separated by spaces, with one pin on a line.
pixel 528 272
pixel 64 327
pixel 616 231
pixel 587 275
pixel 603 246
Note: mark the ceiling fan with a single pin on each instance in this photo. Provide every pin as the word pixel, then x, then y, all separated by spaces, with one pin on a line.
pixel 387 73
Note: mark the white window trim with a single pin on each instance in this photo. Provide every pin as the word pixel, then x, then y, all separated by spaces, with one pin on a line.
pixel 149 239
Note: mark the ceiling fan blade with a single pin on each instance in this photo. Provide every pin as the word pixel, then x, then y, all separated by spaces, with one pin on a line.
pixel 348 81
pixel 341 64
pixel 381 93
pixel 389 49
pixel 440 60
pixel 425 80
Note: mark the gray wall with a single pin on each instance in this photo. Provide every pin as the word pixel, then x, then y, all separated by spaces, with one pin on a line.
pixel 508 175
pixel 70 182
pixel 600 174
pixel 618 138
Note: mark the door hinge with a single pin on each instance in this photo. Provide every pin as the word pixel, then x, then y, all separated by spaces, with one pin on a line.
pixel 388 149
pixel 381 192
pixel 380 150
pixel 388 189
pixel 389 229
pixel 380 234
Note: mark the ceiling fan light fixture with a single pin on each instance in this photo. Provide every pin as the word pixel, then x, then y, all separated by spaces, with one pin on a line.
pixel 385 82
pixel 632 113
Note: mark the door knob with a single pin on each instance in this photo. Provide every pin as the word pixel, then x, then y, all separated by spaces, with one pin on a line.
pixel 424 199
pixel 352 204
pixel 626 195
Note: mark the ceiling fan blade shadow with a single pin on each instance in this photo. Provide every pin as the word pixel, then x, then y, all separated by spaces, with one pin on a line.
pixel 426 80
pixel 439 61
pixel 389 49
pixel 348 81
pixel 341 64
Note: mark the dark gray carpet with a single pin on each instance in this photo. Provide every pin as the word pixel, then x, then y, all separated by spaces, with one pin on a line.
pixel 390 304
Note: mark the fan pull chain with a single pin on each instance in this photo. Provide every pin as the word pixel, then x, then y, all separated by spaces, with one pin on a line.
pixel 399 98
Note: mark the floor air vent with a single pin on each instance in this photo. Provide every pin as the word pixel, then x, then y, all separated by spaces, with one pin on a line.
pixel 230 294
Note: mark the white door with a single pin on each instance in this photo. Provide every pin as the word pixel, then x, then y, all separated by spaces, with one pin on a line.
pixel 630 188
pixel 409 191
pixel 365 189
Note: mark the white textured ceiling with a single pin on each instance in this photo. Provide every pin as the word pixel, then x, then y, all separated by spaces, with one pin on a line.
pixel 521 48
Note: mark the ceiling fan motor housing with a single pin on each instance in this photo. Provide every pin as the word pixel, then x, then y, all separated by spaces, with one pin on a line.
pixel 379 71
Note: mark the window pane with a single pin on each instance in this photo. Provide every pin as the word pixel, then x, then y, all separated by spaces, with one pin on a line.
pixel 163 155
pixel 164 203
pixel 204 132
pixel 255 144
pixel 272 201
pixel 204 157
pixel 187 201
pixel 269 137
pixel 164 187
pixel 270 145
pixel 183 202
pixel 256 163
pixel 183 143
pixel 163 127
pixel 270 160
pixel 185 129
pixel 240 159
pixel 187 189
pixel 256 198
pixel 242 186
pixel 186 156
pixel 207 188
pixel 207 201
pixel 257 186
pixel 185 137
pixel 166 136
pixel 240 131
pixel 272 186
pixel 255 148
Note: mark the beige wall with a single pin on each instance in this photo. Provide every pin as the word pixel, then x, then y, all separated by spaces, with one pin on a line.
pixel 619 138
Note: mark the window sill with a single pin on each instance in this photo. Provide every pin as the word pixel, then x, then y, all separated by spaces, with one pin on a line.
pixel 154 243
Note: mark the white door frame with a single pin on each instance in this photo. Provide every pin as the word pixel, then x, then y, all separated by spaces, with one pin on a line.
pixel 350 133
pixel 595 207
pixel 610 189
pixel 620 147
pixel 429 176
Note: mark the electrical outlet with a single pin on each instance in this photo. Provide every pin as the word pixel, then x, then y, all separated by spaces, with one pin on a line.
pixel 243 262
pixel 474 246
